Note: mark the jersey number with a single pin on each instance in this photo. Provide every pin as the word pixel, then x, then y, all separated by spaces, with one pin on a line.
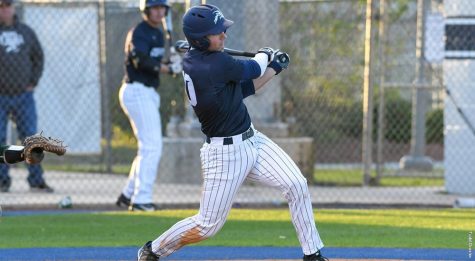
pixel 190 89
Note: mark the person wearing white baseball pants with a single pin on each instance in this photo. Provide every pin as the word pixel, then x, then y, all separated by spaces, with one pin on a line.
pixel 225 168
pixel 139 98
pixel 216 85
pixel 141 105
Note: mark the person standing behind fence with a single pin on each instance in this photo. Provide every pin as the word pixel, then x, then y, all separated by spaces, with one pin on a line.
pixel 21 63
pixel 144 50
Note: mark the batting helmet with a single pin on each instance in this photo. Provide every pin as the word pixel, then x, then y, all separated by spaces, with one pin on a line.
pixel 203 20
pixel 144 4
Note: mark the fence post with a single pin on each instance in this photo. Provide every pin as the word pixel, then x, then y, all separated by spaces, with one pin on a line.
pixel 368 95
pixel 416 160
pixel 381 109
pixel 107 125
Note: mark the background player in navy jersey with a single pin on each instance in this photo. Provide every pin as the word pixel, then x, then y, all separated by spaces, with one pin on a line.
pixel 234 151
pixel 144 50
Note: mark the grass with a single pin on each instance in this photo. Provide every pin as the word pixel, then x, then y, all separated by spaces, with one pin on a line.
pixel 88 168
pixel 326 177
pixel 354 177
pixel 124 150
pixel 446 228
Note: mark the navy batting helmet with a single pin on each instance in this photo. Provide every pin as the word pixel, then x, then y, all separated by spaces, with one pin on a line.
pixel 144 4
pixel 203 20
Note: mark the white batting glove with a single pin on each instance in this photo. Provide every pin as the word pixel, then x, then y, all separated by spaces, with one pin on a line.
pixel 175 68
pixel 175 58
pixel 269 51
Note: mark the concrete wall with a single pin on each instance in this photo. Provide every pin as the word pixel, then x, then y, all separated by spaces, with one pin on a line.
pixel 184 155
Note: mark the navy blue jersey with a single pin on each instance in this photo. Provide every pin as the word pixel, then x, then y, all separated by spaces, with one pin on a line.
pixel 144 49
pixel 216 85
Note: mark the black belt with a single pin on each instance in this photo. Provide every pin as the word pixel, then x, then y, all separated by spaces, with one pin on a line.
pixel 129 81
pixel 229 140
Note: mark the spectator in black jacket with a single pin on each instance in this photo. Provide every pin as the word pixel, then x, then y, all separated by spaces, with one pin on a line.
pixel 21 66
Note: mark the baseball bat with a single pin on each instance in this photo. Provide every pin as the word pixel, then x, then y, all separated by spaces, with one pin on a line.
pixel 168 26
pixel 183 46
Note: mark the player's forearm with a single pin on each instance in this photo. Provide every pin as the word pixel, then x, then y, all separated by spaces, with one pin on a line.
pixel 153 66
pixel 145 63
pixel 165 68
pixel 261 81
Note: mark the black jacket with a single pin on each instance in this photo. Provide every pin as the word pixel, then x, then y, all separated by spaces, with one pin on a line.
pixel 21 58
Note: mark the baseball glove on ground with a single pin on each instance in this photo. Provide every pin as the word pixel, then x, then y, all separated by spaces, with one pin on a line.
pixel 36 145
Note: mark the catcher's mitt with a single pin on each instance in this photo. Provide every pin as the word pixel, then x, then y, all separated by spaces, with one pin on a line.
pixel 36 144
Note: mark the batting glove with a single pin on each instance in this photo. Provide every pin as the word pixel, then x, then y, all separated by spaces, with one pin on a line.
pixel 269 51
pixel 175 68
pixel 175 58
pixel 280 62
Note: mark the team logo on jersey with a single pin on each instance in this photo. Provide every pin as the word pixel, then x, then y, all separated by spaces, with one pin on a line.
pixel 11 41
pixel 157 51
pixel 217 16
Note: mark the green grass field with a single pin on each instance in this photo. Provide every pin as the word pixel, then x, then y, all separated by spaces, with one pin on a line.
pixel 354 177
pixel 441 228
pixel 325 177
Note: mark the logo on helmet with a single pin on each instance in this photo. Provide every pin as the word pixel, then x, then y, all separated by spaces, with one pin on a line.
pixel 217 15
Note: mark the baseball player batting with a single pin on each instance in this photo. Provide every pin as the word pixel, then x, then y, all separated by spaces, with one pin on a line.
pixel 216 84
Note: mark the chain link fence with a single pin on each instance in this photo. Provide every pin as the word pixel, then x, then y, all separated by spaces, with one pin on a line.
pixel 422 138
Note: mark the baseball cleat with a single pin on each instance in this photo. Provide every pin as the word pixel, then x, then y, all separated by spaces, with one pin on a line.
pixel 123 200
pixel 143 207
pixel 146 254
pixel 5 185
pixel 43 187
pixel 315 257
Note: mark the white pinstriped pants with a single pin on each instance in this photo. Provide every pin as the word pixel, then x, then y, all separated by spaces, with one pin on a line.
pixel 141 104
pixel 224 168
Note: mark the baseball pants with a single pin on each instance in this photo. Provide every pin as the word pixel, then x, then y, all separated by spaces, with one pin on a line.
pixel 22 108
pixel 141 105
pixel 224 168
